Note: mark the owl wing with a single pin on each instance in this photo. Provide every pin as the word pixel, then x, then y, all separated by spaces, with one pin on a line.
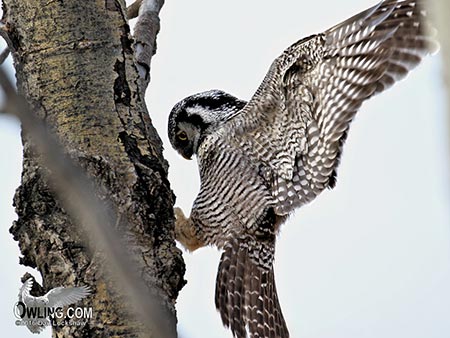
pixel 25 289
pixel 296 123
pixel 61 296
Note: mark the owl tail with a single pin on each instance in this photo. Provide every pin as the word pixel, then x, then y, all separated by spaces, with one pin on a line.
pixel 246 296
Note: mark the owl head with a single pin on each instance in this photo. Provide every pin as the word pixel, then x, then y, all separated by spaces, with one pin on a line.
pixel 198 115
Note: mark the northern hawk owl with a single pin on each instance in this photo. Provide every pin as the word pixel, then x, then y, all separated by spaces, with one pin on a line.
pixel 259 160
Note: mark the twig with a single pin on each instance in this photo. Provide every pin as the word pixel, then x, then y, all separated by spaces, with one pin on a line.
pixel 133 9
pixel 4 55
pixel 77 195
pixel 145 32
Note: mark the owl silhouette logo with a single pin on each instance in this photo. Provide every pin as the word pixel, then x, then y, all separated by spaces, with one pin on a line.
pixel 34 312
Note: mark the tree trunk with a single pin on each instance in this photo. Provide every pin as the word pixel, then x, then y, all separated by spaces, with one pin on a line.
pixel 75 67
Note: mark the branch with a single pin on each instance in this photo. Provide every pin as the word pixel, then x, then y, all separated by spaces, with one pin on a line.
pixel 145 32
pixel 133 9
pixel 78 197
pixel 4 55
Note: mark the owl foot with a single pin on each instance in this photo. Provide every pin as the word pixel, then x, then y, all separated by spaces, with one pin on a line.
pixel 185 231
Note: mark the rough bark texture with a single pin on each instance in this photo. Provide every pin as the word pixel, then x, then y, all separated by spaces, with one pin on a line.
pixel 74 65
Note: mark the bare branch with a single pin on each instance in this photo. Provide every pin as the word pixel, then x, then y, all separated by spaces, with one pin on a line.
pixel 145 32
pixel 133 9
pixel 4 55
pixel 78 197
pixel 4 33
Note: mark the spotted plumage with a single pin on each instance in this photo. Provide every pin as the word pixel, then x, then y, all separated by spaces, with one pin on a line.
pixel 260 160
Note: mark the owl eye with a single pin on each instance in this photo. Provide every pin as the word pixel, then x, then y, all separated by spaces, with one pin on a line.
pixel 182 136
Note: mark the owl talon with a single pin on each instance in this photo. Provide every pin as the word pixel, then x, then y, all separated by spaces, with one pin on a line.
pixel 185 231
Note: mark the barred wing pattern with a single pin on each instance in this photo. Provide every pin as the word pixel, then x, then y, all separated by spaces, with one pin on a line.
pixel 297 121
pixel 283 148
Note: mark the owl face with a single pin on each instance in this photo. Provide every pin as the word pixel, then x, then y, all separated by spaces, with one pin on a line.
pixel 195 117
pixel 187 138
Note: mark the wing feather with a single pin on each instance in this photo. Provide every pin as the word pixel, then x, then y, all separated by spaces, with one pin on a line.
pixel 25 289
pixel 297 121
pixel 61 296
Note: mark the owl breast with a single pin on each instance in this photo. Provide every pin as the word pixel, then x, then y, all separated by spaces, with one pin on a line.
pixel 232 195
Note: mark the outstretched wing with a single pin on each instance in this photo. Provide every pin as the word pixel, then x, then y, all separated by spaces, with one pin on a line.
pixel 25 289
pixel 59 297
pixel 297 121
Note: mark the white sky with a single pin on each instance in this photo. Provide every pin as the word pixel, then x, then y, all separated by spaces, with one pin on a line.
pixel 369 259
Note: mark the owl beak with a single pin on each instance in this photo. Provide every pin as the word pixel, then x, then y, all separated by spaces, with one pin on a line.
pixel 186 156
pixel 186 152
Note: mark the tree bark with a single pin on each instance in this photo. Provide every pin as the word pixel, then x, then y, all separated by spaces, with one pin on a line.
pixel 75 66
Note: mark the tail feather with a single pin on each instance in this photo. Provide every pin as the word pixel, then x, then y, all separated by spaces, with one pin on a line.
pixel 246 295
pixel 229 288
pixel 222 280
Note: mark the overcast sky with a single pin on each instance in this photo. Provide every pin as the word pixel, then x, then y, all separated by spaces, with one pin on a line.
pixel 369 259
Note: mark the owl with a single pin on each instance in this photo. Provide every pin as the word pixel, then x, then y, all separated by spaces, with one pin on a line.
pixel 260 160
